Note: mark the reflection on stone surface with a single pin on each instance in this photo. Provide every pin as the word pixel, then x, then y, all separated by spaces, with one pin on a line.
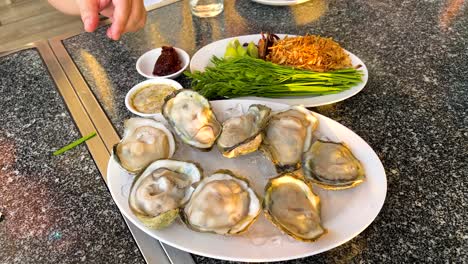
pixel 103 85
pixel 450 11
pixel 309 11
pixel 232 17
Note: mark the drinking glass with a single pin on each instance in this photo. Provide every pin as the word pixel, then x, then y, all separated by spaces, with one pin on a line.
pixel 206 8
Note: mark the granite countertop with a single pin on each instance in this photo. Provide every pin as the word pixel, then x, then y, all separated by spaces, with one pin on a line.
pixel 413 111
pixel 56 209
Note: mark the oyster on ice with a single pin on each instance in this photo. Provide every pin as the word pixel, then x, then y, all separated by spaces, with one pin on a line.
pixel 242 134
pixel 144 141
pixel 164 186
pixel 192 118
pixel 332 166
pixel 287 136
pixel 291 205
pixel 222 204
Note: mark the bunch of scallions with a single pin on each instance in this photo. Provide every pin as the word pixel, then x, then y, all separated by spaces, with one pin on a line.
pixel 247 76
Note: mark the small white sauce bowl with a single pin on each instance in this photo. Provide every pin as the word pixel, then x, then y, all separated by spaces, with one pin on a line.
pixel 128 97
pixel 145 64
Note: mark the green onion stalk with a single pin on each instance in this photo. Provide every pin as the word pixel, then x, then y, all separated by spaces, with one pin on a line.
pixel 247 76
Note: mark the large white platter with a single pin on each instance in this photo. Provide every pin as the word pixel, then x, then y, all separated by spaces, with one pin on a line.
pixel 280 2
pixel 201 59
pixel 344 213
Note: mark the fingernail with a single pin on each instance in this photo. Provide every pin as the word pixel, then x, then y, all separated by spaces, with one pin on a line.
pixel 115 34
pixel 87 24
pixel 109 33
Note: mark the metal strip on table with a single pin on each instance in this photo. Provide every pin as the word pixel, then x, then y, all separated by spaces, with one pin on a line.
pixel 85 126
pixel 86 96
pixel 110 137
pixel 149 247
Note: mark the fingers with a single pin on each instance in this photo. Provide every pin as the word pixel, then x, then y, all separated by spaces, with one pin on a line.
pixel 137 18
pixel 127 16
pixel 122 10
pixel 89 10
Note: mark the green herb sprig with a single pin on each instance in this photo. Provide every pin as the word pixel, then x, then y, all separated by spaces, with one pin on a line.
pixel 247 76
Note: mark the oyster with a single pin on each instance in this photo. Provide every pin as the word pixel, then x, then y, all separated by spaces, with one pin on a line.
pixel 144 141
pixel 291 205
pixel 332 166
pixel 287 136
pixel 222 204
pixel 164 186
pixel 242 135
pixel 191 116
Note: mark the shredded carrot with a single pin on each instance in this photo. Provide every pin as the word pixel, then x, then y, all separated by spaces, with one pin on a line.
pixel 309 52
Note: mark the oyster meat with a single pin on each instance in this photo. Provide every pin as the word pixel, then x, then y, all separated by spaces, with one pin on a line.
pixel 157 194
pixel 242 134
pixel 192 118
pixel 332 166
pixel 291 205
pixel 222 204
pixel 144 141
pixel 287 136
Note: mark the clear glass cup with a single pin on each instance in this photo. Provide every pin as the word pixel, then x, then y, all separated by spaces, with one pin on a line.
pixel 206 8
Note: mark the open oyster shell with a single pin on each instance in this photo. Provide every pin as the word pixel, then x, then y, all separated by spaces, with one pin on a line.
pixel 222 203
pixel 191 117
pixel 287 136
pixel 144 141
pixel 242 134
pixel 161 189
pixel 291 205
pixel 332 165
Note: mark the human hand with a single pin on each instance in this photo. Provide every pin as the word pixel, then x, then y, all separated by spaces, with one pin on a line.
pixel 125 15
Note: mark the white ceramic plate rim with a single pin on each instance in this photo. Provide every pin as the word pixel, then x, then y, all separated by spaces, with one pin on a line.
pixel 378 184
pixel 280 3
pixel 202 57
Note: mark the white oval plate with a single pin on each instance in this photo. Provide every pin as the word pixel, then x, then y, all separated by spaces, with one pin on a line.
pixel 344 213
pixel 280 2
pixel 201 59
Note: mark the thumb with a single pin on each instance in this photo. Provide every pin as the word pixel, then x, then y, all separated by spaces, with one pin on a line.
pixel 89 10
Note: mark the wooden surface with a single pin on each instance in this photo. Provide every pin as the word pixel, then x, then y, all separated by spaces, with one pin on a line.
pixel 26 21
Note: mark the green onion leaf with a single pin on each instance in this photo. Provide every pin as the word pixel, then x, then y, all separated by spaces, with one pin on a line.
pixel 74 144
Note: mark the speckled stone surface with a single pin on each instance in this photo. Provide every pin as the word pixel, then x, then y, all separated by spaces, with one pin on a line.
pixel 413 111
pixel 56 209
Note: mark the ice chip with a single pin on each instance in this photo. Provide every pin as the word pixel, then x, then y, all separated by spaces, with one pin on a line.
pixel 276 240
pixel 125 189
pixel 234 111
pixel 258 241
